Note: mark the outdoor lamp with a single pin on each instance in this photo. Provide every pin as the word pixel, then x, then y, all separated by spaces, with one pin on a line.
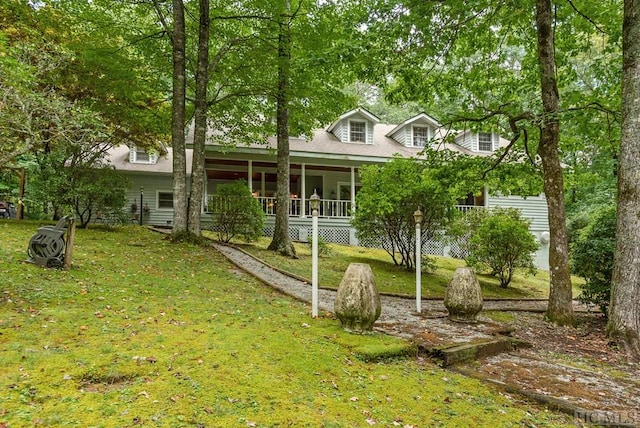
pixel 418 216
pixel 141 193
pixel 314 202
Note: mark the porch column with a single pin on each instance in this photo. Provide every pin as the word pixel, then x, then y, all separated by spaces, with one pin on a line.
pixel 250 175
pixel 303 193
pixel 262 188
pixel 353 188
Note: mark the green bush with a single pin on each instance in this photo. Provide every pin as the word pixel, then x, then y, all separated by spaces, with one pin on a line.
pixel 502 243
pixel 323 248
pixel 236 213
pixel 592 257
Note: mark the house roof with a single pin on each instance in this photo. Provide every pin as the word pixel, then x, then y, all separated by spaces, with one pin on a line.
pixel 119 158
pixel 419 118
pixel 355 112
pixel 323 147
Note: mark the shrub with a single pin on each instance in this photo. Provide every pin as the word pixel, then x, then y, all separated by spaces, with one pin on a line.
pixel 323 248
pixel 592 257
pixel 502 243
pixel 237 213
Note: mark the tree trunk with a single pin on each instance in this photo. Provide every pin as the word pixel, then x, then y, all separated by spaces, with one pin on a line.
pixel 624 311
pixel 560 309
pixel 177 120
pixel 281 240
pixel 200 119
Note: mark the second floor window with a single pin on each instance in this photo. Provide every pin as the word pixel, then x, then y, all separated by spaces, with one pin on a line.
pixel 420 136
pixel 485 143
pixel 142 155
pixel 357 132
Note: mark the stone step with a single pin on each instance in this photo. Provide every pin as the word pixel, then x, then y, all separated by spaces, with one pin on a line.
pixel 454 353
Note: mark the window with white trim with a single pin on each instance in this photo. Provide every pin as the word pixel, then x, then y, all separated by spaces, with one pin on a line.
pixel 485 142
pixel 165 200
pixel 420 136
pixel 142 155
pixel 357 131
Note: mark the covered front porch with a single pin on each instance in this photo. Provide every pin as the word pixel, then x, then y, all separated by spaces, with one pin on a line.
pixel 336 185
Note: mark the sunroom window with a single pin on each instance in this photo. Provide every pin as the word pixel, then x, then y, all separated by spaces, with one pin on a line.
pixel 357 131
pixel 485 143
pixel 420 136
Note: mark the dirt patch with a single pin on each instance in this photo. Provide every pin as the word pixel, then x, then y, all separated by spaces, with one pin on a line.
pixel 575 364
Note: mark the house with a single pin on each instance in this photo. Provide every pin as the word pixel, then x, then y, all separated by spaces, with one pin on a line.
pixel 328 163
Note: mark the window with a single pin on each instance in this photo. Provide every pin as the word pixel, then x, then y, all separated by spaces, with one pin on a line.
pixel 357 131
pixel 142 155
pixel 420 136
pixel 165 200
pixel 485 143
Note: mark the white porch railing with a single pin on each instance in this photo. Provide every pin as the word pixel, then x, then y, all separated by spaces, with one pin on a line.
pixel 466 208
pixel 328 207
pixel 332 208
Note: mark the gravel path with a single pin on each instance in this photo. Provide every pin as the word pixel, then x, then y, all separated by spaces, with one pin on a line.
pixel 398 317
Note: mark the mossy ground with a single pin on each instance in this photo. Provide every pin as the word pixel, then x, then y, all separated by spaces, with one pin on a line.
pixel 393 279
pixel 142 332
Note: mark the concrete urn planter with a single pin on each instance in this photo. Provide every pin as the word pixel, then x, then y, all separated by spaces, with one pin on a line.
pixel 463 296
pixel 357 303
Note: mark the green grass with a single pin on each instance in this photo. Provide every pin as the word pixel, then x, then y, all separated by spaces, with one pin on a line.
pixel 392 279
pixel 142 332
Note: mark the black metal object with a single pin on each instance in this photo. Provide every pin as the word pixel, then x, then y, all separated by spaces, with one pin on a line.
pixel 46 247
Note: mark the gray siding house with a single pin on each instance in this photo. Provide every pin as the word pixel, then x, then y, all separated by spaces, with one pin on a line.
pixel 328 163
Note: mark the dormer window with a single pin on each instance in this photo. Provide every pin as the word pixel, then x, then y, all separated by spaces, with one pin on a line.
pixel 357 131
pixel 420 136
pixel 485 142
pixel 141 155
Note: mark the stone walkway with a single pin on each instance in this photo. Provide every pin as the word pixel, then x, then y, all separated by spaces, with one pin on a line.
pixel 591 395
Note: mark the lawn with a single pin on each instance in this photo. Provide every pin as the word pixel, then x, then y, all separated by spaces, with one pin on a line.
pixel 392 279
pixel 142 332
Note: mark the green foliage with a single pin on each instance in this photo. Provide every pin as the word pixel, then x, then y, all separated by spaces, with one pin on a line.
pixel 235 212
pixel 76 178
pixel 390 195
pixel 592 257
pixel 323 248
pixel 502 243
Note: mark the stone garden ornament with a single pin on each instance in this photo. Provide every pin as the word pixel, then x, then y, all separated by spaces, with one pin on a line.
pixel 357 303
pixel 463 296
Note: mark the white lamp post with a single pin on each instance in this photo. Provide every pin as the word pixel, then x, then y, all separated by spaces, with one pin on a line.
pixel 417 217
pixel 314 204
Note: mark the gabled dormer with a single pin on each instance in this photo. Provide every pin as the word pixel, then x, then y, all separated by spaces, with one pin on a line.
pixel 142 155
pixel 483 142
pixel 355 126
pixel 415 132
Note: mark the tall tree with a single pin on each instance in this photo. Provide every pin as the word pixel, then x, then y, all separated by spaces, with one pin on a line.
pixel 281 241
pixel 560 308
pixel 200 122
pixel 178 41
pixel 624 312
